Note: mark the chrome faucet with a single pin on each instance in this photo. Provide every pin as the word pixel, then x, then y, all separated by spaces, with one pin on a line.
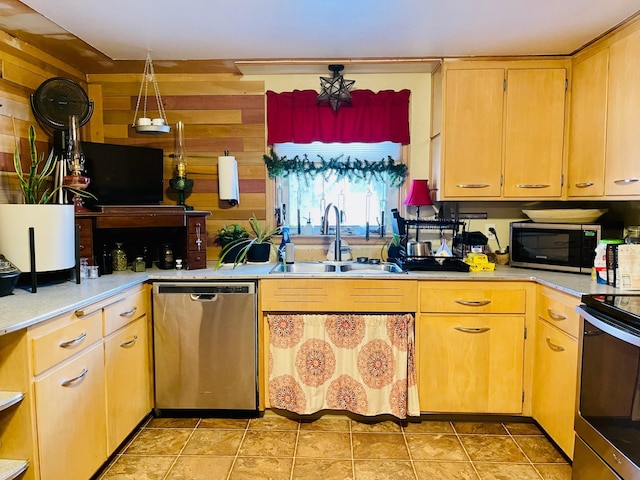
pixel 337 252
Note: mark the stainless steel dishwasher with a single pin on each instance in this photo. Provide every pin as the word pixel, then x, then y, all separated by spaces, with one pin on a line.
pixel 205 345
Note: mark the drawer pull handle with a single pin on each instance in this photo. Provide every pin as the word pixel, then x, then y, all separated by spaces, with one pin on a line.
pixel 625 181
pixel 70 343
pixel 77 378
pixel 584 184
pixel 129 342
pixel 473 185
pixel 472 330
pixel 473 303
pixel 554 347
pixel 532 185
pixel 129 312
pixel 555 316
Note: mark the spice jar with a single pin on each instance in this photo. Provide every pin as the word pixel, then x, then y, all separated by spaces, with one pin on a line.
pixel 139 265
pixel 119 258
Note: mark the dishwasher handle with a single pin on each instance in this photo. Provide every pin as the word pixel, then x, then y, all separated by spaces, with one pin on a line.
pixel 204 297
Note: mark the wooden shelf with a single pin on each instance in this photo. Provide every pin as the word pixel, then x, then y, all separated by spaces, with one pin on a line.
pixel 8 399
pixel 10 469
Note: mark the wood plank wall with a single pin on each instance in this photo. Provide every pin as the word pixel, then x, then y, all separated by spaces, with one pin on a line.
pixel 219 111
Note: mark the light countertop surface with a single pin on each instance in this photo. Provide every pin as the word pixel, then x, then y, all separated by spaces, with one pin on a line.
pixel 23 308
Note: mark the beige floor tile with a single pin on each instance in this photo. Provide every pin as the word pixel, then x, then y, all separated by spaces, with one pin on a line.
pixel 214 442
pixel 492 449
pixel 554 472
pixel 434 446
pixel 159 441
pixel 273 423
pixel 324 445
pixel 327 425
pixel 383 469
pixel 428 426
pixel 134 467
pixel 523 429
pixel 506 471
pixel 172 423
pixel 445 471
pixel 386 426
pixel 327 469
pixel 268 444
pixel 227 423
pixel 479 428
pixel 201 468
pixel 539 450
pixel 254 468
pixel 379 446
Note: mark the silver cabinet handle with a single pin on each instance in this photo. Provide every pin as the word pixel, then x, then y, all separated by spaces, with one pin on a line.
pixel 204 297
pixel 584 184
pixel 77 378
pixel 555 316
pixel 532 185
pixel 473 303
pixel 625 181
pixel 472 330
pixel 554 347
pixel 128 343
pixel 473 185
pixel 129 312
pixel 70 343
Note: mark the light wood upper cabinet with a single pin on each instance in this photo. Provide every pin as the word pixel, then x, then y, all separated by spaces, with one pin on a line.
pixel 622 176
pixel 503 130
pixel 473 129
pixel 534 132
pixel 587 130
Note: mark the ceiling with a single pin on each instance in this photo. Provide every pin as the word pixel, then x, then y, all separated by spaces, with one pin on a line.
pixel 115 35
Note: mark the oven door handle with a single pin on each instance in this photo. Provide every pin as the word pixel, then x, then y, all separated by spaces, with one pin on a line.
pixel 607 327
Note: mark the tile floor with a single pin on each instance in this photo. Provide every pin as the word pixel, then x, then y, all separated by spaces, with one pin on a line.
pixel 332 448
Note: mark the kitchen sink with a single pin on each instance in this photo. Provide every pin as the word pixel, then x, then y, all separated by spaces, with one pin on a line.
pixel 336 268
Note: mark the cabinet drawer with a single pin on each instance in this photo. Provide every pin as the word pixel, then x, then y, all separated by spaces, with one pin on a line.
pixel 124 311
pixel 559 309
pixel 86 238
pixel 74 335
pixel 195 224
pixel 481 299
pixel 197 260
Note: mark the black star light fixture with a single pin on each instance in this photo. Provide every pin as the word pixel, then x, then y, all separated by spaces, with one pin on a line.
pixel 335 90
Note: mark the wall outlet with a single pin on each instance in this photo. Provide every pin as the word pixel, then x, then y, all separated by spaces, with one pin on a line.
pixel 487 233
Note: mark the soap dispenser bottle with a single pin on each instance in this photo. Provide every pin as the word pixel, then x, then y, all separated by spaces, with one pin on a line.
pixel 286 238
pixel 308 228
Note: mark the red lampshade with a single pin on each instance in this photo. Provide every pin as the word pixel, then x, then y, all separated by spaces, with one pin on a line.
pixel 419 194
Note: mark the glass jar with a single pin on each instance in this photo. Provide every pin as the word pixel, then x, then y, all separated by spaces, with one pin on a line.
pixel 119 258
pixel 139 265
pixel 633 234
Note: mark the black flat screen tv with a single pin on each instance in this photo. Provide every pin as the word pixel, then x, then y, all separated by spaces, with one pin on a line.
pixel 123 174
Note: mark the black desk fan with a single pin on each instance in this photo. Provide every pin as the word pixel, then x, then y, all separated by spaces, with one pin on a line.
pixel 53 103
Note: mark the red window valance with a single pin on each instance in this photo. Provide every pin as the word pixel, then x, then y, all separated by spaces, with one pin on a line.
pixel 371 118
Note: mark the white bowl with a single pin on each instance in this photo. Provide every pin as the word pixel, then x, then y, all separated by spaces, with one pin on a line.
pixel 565 215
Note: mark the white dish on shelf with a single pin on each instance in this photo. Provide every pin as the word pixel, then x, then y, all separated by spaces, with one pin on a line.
pixel 566 215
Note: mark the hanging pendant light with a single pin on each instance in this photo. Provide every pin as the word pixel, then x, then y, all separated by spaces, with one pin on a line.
pixel 145 124
pixel 336 91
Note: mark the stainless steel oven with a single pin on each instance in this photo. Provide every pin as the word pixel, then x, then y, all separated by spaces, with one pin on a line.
pixel 607 421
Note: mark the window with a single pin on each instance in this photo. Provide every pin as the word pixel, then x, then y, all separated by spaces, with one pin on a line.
pixel 360 202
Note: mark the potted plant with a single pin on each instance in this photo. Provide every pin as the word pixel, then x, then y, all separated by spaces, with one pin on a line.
pixel 255 247
pixel 53 224
pixel 228 238
pixel 392 248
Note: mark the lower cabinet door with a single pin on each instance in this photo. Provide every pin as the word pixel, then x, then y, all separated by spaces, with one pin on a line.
pixel 129 394
pixel 71 421
pixel 471 363
pixel 554 383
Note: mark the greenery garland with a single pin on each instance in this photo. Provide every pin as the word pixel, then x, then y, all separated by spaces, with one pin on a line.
pixel 354 170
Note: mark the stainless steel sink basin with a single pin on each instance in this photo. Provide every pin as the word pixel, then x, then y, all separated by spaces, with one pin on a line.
pixel 336 268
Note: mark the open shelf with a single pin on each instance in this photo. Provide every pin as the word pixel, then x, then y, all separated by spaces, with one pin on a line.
pixel 10 469
pixel 7 399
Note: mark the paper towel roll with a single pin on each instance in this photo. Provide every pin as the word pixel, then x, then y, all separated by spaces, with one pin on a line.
pixel 228 179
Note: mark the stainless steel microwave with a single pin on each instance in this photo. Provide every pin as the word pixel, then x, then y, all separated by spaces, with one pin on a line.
pixel 553 246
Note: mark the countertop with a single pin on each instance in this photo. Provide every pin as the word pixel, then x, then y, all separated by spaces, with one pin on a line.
pixel 23 308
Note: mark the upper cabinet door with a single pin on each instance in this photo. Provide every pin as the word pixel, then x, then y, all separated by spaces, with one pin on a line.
pixel 587 131
pixel 534 132
pixel 622 176
pixel 472 149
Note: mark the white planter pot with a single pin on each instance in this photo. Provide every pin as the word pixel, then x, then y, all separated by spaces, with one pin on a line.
pixel 54 228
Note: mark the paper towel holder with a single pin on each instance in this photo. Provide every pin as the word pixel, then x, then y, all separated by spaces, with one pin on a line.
pixel 233 193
